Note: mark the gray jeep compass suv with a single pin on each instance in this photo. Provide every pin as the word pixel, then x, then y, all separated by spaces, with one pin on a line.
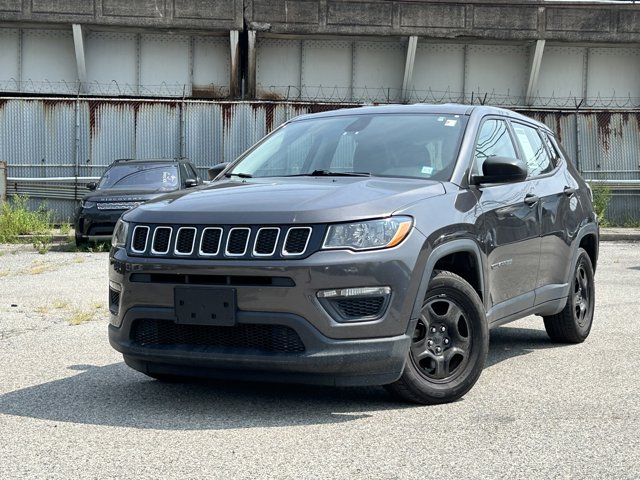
pixel 364 246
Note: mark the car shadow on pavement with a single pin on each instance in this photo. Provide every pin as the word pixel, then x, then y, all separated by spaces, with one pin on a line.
pixel 115 395
pixel 508 342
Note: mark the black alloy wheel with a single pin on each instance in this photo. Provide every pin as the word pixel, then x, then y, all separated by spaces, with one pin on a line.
pixel 449 344
pixel 573 323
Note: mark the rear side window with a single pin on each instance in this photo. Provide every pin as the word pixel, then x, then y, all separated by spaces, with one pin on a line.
pixel 534 152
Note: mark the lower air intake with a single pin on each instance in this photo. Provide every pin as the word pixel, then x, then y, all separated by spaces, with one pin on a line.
pixel 240 338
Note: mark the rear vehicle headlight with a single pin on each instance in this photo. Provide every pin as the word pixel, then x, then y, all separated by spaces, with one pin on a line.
pixel 119 238
pixel 87 204
pixel 383 233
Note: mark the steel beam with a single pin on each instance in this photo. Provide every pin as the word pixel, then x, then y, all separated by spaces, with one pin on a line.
pixel 251 64
pixel 234 64
pixel 408 66
pixel 78 43
pixel 534 70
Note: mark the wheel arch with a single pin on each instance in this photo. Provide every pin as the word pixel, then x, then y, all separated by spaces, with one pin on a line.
pixel 461 257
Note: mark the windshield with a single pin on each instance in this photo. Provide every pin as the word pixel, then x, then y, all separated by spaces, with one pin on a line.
pixel 141 177
pixel 397 145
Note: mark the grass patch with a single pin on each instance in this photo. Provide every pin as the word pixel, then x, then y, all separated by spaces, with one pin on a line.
pixel 60 305
pixel 65 229
pixel 601 200
pixel 40 267
pixel 4 273
pixel 16 219
pixel 78 317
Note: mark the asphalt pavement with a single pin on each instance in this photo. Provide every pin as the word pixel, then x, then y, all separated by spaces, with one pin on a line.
pixel 70 408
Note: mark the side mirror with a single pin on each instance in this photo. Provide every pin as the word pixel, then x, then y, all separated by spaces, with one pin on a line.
pixel 92 186
pixel 501 170
pixel 190 183
pixel 214 171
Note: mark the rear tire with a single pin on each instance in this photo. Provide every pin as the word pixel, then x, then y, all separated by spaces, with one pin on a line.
pixel 80 242
pixel 573 323
pixel 449 344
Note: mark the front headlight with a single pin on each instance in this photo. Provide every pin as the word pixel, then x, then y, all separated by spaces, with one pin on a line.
pixel 87 204
pixel 119 238
pixel 383 233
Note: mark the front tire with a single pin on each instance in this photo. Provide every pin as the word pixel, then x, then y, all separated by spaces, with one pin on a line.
pixel 573 323
pixel 449 344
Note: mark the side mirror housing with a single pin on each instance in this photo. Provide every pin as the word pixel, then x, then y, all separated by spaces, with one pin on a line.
pixel 501 170
pixel 214 171
pixel 190 183
pixel 92 186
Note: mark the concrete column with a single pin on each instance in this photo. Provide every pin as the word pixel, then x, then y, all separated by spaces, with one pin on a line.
pixel 534 70
pixel 78 43
pixel 234 64
pixel 408 66
pixel 251 64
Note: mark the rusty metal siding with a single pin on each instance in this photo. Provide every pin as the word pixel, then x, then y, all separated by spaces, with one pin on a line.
pixel 610 146
pixel 45 138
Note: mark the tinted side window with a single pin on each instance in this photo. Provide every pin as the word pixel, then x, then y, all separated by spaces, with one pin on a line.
pixel 535 154
pixel 493 141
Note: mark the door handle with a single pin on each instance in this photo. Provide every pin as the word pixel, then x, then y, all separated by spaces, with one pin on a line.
pixel 568 191
pixel 531 199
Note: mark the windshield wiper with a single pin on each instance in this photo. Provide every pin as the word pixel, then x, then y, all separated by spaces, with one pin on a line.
pixel 240 175
pixel 329 173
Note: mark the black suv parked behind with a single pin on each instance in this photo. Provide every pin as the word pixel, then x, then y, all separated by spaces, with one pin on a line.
pixel 365 246
pixel 125 185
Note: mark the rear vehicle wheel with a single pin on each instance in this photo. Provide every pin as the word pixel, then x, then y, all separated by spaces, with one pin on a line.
pixel 80 241
pixel 573 323
pixel 449 344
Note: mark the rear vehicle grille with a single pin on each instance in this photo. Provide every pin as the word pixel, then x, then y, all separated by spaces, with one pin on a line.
pixel 242 337
pixel 186 241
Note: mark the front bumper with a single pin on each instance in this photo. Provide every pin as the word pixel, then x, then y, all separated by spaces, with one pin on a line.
pixel 325 361
pixel 94 224
pixel 368 351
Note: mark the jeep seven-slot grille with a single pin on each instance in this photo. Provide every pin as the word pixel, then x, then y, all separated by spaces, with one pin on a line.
pixel 236 339
pixel 223 242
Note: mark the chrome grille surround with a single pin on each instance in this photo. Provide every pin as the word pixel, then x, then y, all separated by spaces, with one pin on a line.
pixel 234 237
pixel 286 252
pixel 261 236
pixel 137 232
pixel 206 232
pixel 158 240
pixel 225 241
pixel 183 236
pixel 117 205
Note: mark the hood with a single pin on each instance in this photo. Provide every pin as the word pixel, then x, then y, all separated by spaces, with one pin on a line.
pixel 302 200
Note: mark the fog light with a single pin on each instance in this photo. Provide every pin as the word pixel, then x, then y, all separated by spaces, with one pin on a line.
pixel 357 304
pixel 354 292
